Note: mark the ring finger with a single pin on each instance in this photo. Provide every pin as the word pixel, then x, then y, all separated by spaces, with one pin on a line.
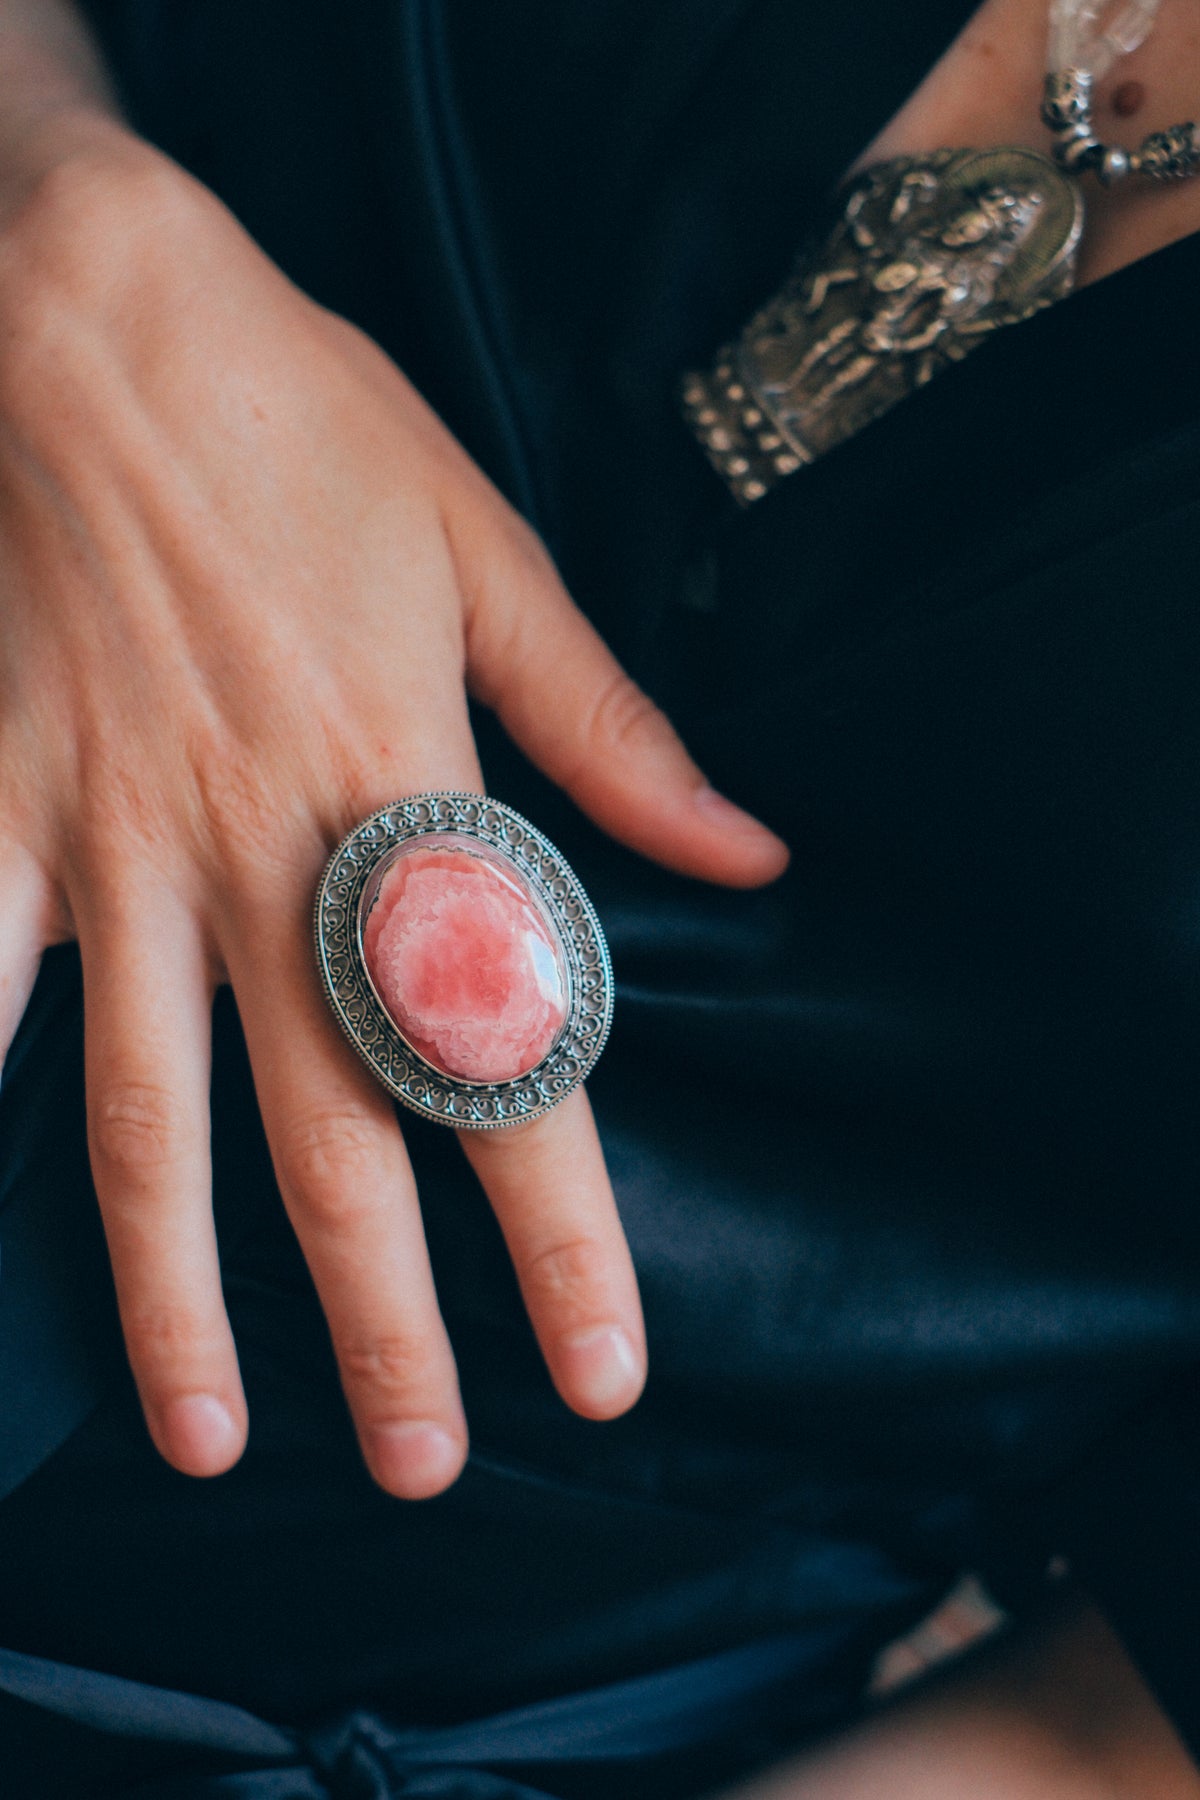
pixel 350 1193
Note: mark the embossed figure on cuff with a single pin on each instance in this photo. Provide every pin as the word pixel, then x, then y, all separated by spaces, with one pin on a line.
pixel 926 257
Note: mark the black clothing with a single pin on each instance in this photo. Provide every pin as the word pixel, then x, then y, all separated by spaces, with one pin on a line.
pixel 906 1145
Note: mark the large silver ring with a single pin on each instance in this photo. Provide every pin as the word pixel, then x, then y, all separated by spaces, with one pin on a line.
pixel 463 960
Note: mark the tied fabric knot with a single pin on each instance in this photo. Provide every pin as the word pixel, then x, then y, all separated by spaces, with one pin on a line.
pixel 350 1763
pixel 359 1758
pixel 180 1746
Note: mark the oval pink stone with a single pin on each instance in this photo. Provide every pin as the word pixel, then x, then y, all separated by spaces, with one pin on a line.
pixel 465 963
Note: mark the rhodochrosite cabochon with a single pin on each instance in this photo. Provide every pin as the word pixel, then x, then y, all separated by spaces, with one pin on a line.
pixel 463 959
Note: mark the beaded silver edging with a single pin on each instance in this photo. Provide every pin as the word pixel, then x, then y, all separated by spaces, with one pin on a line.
pixel 406 1075
pixel 926 256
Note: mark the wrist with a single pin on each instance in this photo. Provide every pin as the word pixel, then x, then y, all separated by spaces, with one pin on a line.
pixel 89 212
pixel 55 101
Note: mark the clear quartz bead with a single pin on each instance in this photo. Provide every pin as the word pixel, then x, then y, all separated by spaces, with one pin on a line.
pixel 1092 35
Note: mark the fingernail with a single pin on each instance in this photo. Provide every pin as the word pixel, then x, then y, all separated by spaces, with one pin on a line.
pixel 200 1434
pixel 413 1460
pixel 729 817
pixel 602 1369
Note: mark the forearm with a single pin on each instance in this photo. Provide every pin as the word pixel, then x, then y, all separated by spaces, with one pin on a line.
pixel 1053 1713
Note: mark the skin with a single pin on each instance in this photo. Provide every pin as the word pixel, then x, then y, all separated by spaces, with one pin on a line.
pixel 1052 1711
pixel 182 433
pixel 248 580
pixel 986 89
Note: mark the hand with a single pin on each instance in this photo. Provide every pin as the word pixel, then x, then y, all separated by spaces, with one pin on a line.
pixel 245 575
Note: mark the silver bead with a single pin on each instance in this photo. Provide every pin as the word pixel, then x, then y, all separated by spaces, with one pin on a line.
pixel 1115 166
pixel 1172 154
pixel 1067 99
pixel 1079 153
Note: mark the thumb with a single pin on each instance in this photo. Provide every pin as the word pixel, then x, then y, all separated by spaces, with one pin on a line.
pixel 565 699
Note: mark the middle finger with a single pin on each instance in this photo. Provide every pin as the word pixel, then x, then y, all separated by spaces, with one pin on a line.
pixel 549 1188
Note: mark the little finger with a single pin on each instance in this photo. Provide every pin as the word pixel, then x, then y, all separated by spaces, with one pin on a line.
pixel 26 927
pixel 147 1031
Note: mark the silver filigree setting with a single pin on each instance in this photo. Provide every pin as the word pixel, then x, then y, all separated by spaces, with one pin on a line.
pixel 401 1069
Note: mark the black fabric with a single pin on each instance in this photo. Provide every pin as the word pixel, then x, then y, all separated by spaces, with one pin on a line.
pixel 629 1732
pixel 906 1145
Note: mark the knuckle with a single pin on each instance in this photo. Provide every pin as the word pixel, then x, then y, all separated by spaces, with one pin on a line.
pixel 136 1127
pixel 121 815
pixel 240 815
pixel 360 783
pixel 565 1274
pixel 529 550
pixel 328 1160
pixel 626 721
pixel 169 1340
pixel 392 1365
